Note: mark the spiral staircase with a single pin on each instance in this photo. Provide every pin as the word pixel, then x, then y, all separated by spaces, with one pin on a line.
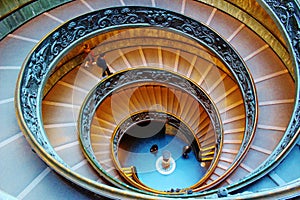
pixel 222 76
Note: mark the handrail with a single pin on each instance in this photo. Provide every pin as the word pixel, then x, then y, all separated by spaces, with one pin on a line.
pixel 235 164
pixel 134 175
pixel 207 148
pixel 290 190
pixel 128 77
pixel 15 9
pixel 9 22
pixel 153 115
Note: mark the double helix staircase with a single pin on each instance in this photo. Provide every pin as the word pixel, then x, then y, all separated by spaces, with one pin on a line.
pixel 242 161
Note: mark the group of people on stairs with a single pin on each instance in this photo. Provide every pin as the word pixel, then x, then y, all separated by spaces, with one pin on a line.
pixel 100 60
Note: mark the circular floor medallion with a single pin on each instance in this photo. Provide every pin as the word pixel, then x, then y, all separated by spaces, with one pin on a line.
pixel 168 170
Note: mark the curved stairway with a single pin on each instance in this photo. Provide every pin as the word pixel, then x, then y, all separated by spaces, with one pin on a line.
pixel 232 113
pixel 65 98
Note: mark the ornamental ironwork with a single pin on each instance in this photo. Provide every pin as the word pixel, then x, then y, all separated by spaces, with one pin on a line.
pixel 46 54
pixel 142 76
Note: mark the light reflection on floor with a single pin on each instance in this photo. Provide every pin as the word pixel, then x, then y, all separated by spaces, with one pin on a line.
pixel 135 152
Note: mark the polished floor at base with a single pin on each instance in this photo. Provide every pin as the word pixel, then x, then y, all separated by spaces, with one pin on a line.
pixel 136 152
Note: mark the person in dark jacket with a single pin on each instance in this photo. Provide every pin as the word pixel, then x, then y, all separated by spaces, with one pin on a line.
pixel 88 55
pixel 102 64
pixel 154 148
pixel 186 150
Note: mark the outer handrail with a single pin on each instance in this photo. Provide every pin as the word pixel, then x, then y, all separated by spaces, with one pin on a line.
pixel 15 9
pixel 9 22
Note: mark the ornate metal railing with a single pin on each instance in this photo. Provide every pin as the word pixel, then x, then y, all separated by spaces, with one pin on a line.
pixel 143 76
pixel 46 54
pixel 182 131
